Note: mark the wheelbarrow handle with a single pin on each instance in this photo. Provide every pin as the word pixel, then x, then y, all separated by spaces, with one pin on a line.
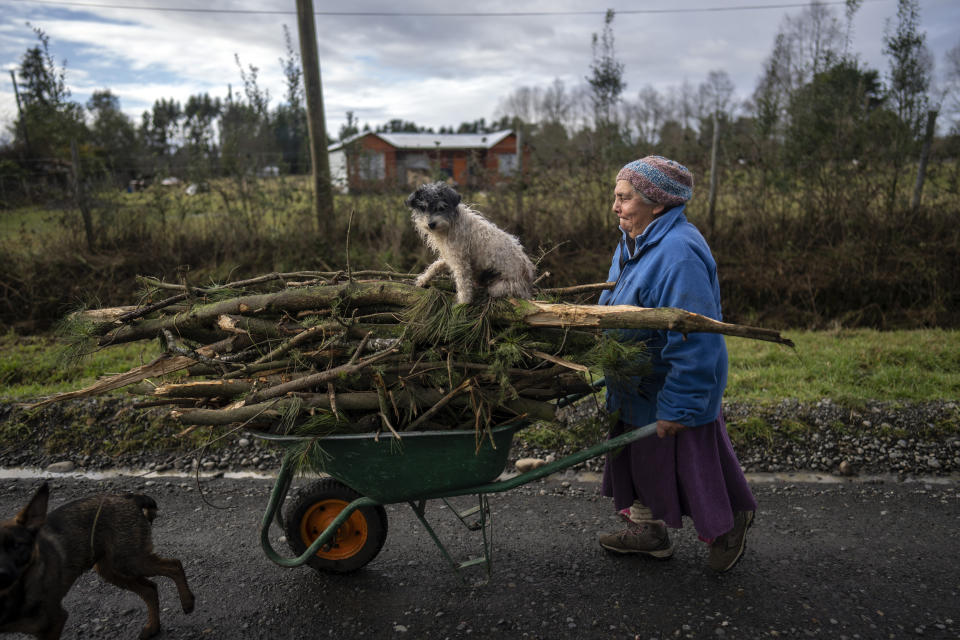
pixel 277 496
pixel 558 465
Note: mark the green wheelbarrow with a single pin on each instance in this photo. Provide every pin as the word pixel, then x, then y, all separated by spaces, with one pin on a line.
pixel 338 523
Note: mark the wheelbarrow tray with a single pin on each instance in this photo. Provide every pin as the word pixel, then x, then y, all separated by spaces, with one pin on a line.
pixel 420 464
pixel 419 467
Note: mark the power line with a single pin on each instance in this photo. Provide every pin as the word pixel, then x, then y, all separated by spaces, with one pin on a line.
pixel 441 14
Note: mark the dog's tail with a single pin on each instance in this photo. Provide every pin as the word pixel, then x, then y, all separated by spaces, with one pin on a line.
pixel 146 504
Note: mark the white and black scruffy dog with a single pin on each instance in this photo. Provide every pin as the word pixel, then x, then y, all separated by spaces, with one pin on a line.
pixel 477 252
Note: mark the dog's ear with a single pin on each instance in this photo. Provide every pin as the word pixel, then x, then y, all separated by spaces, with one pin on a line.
pixel 451 198
pixel 409 202
pixel 34 514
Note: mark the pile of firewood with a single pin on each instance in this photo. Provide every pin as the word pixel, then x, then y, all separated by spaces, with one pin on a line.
pixel 329 352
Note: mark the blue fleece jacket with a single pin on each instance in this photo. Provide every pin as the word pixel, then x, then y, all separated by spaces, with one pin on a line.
pixel 670 265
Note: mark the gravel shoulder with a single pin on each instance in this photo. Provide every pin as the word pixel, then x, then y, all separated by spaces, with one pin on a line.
pixel 876 439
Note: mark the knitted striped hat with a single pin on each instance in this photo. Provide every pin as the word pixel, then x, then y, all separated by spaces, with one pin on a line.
pixel 664 181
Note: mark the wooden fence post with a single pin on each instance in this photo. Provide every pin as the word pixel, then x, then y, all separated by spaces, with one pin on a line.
pixel 924 159
pixel 78 195
pixel 712 212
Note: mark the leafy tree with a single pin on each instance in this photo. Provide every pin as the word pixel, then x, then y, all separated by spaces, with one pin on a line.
pixel 349 128
pixel 773 91
pixel 49 121
pixel 247 141
pixel 805 45
pixel 401 126
pixel 200 113
pixel 911 68
pixel 160 128
pixel 677 141
pixel 112 134
pixel 839 136
pixel 477 126
pixel 911 65
pixel 290 118
pixel 606 77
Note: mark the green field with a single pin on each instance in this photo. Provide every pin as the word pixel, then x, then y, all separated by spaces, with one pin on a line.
pixel 848 366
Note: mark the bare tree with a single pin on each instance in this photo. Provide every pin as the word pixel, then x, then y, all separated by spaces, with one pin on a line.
pixel 648 115
pixel 817 37
pixel 850 10
pixel 557 104
pixel 521 103
pixel 681 103
pixel 715 94
pixel 552 105
pixel 805 45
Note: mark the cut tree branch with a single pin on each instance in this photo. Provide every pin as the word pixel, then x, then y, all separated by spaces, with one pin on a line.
pixel 320 377
pixel 542 314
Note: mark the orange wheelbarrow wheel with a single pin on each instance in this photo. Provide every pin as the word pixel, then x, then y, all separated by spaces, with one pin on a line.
pixel 356 542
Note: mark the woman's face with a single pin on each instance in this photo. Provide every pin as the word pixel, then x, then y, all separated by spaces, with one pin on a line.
pixel 633 213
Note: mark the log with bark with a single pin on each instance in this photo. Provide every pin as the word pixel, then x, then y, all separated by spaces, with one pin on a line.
pixel 326 352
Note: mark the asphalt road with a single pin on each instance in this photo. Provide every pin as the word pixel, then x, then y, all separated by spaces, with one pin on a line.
pixel 834 561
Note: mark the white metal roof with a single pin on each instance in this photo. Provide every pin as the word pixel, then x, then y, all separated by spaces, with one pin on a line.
pixel 433 140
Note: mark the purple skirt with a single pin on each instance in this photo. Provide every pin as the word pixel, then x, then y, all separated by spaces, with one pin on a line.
pixel 695 473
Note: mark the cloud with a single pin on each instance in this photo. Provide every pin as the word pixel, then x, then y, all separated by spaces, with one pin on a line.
pixel 435 71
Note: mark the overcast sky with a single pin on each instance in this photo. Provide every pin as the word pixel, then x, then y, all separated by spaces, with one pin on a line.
pixel 435 70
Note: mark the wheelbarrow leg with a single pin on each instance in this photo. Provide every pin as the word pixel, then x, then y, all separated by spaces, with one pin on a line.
pixel 475 525
pixel 483 508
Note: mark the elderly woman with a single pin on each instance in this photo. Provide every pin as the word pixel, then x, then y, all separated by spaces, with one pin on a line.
pixel 691 468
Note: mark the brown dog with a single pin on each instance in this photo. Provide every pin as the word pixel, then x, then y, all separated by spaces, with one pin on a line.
pixel 42 555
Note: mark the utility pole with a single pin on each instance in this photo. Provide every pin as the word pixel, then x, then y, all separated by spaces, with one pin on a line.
pixel 315 119
pixel 518 175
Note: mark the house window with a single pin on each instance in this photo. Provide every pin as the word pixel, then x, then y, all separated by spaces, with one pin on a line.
pixel 372 165
pixel 507 163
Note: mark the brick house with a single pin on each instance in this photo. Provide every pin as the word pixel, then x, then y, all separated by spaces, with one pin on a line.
pixel 408 159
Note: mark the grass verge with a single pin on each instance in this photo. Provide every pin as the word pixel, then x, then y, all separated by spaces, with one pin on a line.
pixel 848 366
pixel 37 366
